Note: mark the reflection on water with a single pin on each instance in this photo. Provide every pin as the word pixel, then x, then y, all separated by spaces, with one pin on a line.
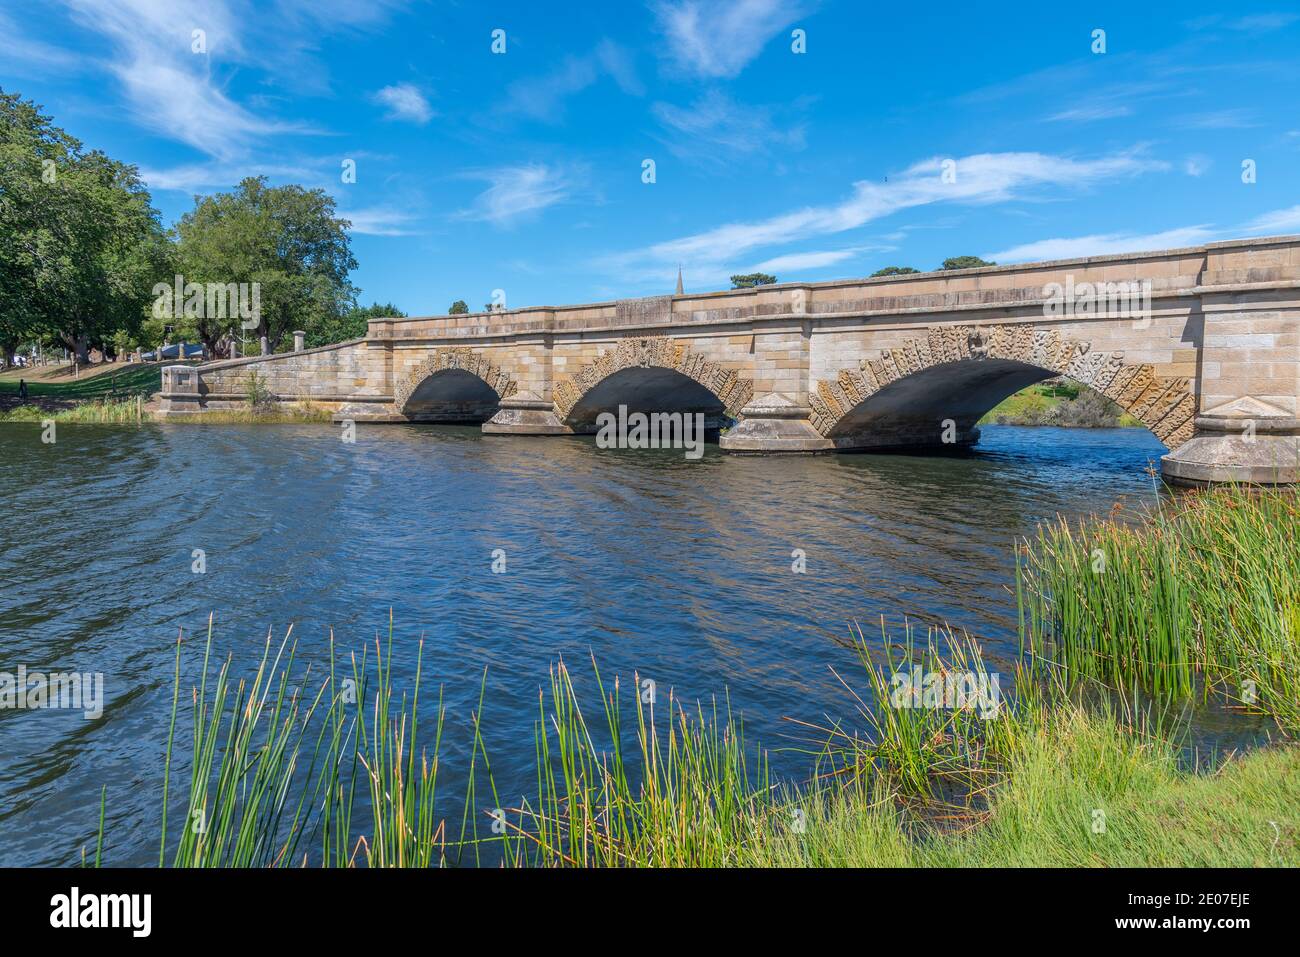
pixel 678 570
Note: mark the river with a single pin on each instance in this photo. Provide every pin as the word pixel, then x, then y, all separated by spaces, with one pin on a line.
pixel 678 570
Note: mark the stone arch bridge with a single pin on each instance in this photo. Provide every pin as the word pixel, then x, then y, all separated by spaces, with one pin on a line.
pixel 1201 344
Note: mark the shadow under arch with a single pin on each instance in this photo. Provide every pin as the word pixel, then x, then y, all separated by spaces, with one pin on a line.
pixel 650 375
pixel 453 385
pixel 647 389
pixel 931 391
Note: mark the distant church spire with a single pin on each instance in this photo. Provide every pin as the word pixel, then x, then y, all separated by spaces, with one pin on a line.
pixel 679 279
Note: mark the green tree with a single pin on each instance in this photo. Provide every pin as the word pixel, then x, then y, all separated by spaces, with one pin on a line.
pixel 964 262
pixel 351 325
pixel 80 242
pixel 285 239
pixel 895 271
pixel 458 308
pixel 750 280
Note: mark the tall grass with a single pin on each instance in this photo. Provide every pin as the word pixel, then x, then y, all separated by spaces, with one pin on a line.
pixel 107 411
pixel 304 412
pixel 919 738
pixel 266 778
pixel 1202 598
pixel 286 773
pixel 333 770
pixel 689 797
pixel 125 411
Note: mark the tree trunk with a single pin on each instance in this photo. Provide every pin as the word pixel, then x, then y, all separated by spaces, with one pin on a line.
pixel 78 345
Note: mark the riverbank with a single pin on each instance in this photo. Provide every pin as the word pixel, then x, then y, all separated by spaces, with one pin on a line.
pixel 108 393
pixel 1079 758
pixel 116 411
pixel 1059 403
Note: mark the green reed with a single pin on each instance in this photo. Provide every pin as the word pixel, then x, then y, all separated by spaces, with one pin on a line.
pixel 99 411
pixel 282 776
pixel 265 776
pixel 921 738
pixel 1200 598
pixel 687 797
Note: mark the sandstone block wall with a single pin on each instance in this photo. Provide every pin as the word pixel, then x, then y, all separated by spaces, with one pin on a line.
pixel 1223 318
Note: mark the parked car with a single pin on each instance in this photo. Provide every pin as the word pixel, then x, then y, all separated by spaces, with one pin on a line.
pixel 173 351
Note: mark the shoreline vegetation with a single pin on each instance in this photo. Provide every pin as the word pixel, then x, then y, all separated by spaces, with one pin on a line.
pixel 125 411
pixel 1085 761
pixel 1063 403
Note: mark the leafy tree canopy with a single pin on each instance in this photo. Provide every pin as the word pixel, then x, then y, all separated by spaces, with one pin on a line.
pixel 964 262
pixel 351 325
pixel 894 271
pixel 750 280
pixel 81 241
pixel 287 240
pixel 458 308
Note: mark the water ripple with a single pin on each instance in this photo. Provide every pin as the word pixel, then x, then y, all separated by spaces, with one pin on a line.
pixel 679 571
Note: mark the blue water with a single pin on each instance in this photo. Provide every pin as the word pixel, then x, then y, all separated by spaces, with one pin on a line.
pixel 677 570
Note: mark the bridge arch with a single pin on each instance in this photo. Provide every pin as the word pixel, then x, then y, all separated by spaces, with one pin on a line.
pixel 453 385
pixel 962 372
pixel 650 374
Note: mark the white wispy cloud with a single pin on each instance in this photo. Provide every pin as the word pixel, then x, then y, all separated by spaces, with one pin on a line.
pixel 1263 22
pixel 380 221
pixel 715 125
pixel 544 97
pixel 1234 119
pixel 718 39
pixel 18 51
pixel 203 177
pixel 405 101
pixel 1278 221
pixel 1197 165
pixel 980 179
pixel 518 192
pixel 1105 243
pixel 169 87
pixel 793 262
pixel 341 13
pixel 1251 23
pixel 1084 114
pixel 1275 222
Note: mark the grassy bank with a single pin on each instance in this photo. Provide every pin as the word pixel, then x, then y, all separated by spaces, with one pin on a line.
pixel 127 382
pixel 1084 792
pixel 1073 760
pixel 1062 404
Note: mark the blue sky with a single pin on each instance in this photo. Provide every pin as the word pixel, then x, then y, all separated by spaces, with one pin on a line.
pixel 522 171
